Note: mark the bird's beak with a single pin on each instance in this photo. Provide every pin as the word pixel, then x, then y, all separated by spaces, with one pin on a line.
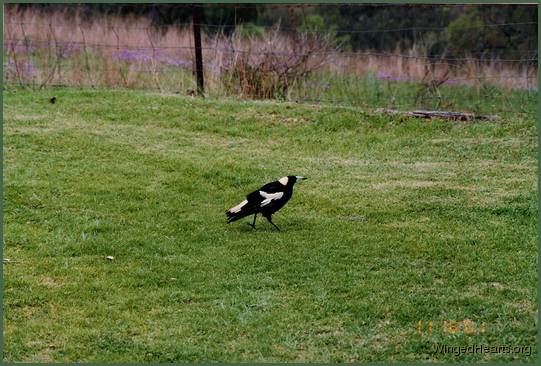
pixel 300 177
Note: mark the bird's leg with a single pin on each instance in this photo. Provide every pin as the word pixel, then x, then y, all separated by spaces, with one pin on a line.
pixel 269 219
pixel 253 224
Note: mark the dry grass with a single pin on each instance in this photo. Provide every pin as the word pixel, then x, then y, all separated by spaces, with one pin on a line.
pixel 128 52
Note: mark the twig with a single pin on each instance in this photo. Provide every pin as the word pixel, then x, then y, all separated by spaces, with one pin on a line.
pixel 27 46
pixel 124 79
pixel 51 74
pixel 153 62
pixel 87 64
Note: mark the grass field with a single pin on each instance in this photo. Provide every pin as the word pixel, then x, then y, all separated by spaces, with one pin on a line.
pixel 408 234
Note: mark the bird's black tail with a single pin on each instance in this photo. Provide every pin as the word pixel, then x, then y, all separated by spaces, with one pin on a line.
pixel 240 211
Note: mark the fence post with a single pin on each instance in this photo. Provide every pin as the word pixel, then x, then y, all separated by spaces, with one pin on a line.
pixel 196 18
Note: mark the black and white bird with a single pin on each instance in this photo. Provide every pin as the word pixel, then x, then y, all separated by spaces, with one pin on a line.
pixel 266 200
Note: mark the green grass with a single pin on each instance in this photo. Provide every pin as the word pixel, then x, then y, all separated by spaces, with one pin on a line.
pixel 400 222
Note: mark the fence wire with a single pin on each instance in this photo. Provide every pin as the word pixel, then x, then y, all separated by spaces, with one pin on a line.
pixel 283 63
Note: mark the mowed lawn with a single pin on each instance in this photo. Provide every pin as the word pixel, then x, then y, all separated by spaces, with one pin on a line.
pixel 408 234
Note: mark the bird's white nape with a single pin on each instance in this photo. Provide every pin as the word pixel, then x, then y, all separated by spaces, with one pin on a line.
pixel 238 207
pixel 283 180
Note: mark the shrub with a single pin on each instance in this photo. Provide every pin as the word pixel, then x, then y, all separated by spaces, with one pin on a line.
pixel 248 30
pixel 270 67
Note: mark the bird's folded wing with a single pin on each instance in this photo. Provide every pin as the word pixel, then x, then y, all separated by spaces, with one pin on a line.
pixel 256 198
pixel 269 197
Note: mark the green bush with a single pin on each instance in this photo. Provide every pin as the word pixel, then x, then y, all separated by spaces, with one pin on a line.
pixel 249 29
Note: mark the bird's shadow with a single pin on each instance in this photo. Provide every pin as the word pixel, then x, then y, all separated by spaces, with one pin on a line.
pixel 266 227
pixel 247 228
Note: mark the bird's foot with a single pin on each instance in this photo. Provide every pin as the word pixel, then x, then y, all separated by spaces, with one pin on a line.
pixel 276 227
pixel 253 226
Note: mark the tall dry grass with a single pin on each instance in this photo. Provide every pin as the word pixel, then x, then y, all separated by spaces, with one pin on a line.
pixel 111 51
pixel 106 51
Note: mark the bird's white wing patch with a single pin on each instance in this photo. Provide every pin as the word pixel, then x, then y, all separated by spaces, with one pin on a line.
pixel 269 197
pixel 238 207
pixel 283 180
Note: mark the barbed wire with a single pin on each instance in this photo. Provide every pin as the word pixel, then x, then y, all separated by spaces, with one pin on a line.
pixel 282 54
pixel 289 29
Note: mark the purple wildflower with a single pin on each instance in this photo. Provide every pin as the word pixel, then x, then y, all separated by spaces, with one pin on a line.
pixel 68 50
pixel 383 75
pixel 18 48
pixel 130 55
pixel 24 48
pixel 173 62
pixel 29 66
pixel 11 68
pixel 148 55
pixel 215 69
pixel 401 78
pixel 389 77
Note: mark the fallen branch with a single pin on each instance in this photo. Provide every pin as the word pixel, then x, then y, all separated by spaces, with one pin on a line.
pixel 455 116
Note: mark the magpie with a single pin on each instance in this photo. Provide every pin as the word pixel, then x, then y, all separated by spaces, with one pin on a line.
pixel 266 200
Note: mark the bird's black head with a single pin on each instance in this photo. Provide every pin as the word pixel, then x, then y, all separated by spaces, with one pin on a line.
pixel 290 180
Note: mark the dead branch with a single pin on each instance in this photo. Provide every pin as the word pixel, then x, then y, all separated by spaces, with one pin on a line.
pixel 455 116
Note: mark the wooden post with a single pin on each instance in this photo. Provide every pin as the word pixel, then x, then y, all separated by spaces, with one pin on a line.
pixel 196 18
